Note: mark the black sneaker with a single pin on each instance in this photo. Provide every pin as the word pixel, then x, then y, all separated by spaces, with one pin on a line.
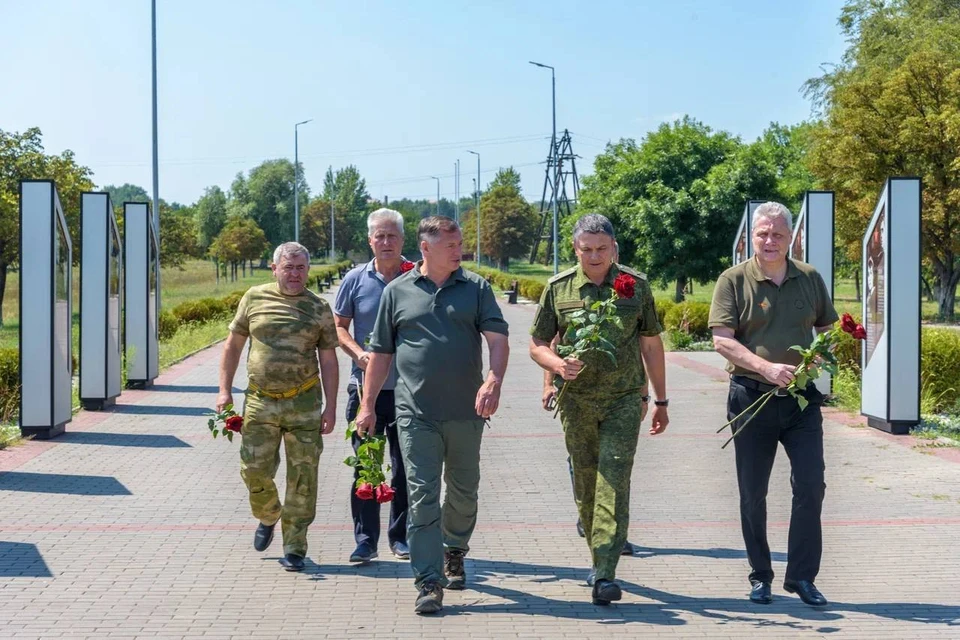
pixel 605 592
pixel 430 599
pixel 264 536
pixel 453 569
pixel 365 552
pixel 292 562
pixel 400 550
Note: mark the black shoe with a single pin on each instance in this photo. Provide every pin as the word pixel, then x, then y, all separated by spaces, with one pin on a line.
pixel 365 552
pixel 807 592
pixel 292 562
pixel 430 599
pixel 760 592
pixel 591 577
pixel 606 591
pixel 400 550
pixel 580 531
pixel 628 549
pixel 264 536
pixel 454 570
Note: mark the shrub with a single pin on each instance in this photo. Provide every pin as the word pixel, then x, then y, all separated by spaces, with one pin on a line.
pixel 848 352
pixel 663 306
pixel 167 325
pixel 689 317
pixel 529 288
pixel 9 384
pixel 939 356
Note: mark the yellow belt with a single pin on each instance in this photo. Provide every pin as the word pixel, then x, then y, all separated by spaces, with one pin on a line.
pixel 285 395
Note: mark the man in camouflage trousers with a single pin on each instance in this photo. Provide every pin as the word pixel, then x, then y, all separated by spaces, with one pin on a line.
pixel 290 330
pixel 603 406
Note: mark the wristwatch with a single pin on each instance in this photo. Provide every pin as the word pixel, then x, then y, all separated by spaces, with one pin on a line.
pixel 661 403
pixel 644 399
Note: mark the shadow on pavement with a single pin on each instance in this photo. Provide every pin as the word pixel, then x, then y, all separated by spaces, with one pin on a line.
pixel 22 560
pixel 186 388
pixel 719 553
pixel 62 483
pixel 123 440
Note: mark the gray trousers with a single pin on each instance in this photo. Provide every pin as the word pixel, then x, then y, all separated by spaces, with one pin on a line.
pixel 431 449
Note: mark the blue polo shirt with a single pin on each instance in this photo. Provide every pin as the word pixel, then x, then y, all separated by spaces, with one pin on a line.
pixel 359 298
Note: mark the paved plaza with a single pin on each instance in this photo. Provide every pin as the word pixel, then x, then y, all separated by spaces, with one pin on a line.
pixel 136 524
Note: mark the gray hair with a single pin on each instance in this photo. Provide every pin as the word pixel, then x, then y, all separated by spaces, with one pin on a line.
pixel 772 210
pixel 384 215
pixel 592 223
pixel 289 250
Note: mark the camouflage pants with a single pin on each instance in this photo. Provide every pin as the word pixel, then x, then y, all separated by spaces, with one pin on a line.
pixel 601 438
pixel 295 421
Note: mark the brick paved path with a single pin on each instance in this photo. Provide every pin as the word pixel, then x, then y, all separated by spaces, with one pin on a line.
pixel 135 524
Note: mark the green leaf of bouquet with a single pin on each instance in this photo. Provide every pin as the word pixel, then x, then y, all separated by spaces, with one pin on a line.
pixel 803 402
pixel 228 407
pixel 350 461
pixel 215 432
pixel 229 435
pixel 593 317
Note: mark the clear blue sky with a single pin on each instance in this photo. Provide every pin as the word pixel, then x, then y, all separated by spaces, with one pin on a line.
pixel 399 89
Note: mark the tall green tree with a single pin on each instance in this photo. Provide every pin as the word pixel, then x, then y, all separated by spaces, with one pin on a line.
pixel 892 108
pixel 22 158
pixel 508 224
pixel 211 215
pixel 347 189
pixel 266 196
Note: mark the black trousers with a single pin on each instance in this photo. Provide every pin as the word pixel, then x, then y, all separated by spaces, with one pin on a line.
pixel 366 513
pixel 801 433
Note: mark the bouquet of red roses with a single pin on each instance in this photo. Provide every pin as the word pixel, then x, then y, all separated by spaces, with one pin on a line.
pixel 405 266
pixel 227 421
pixel 817 358
pixel 372 483
pixel 586 329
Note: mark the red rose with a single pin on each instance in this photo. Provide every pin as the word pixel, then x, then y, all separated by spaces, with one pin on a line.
pixel 385 493
pixel 859 332
pixel 847 323
pixel 624 285
pixel 406 265
pixel 234 423
pixel 365 491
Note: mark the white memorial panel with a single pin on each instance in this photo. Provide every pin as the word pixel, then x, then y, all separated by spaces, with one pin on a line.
pixel 141 299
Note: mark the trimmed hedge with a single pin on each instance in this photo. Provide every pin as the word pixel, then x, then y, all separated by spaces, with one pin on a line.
pixel 688 317
pixel 663 307
pixel 529 288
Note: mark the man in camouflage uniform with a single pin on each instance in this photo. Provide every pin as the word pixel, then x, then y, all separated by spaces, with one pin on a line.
pixel 603 406
pixel 289 327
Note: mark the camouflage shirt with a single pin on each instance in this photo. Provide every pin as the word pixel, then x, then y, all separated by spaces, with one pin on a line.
pixel 285 333
pixel 570 291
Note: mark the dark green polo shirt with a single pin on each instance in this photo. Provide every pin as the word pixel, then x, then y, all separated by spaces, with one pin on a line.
pixel 569 292
pixel 435 336
pixel 768 319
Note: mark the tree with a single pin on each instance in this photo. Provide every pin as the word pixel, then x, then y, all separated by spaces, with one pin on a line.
pixel 266 196
pixel 22 158
pixel 211 215
pixel 506 178
pixel 348 192
pixel 892 107
pixel 508 224
pixel 178 236
pixel 240 240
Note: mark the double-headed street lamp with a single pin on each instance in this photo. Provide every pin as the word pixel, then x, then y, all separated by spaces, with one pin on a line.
pixel 438 192
pixel 556 168
pixel 477 190
pixel 296 183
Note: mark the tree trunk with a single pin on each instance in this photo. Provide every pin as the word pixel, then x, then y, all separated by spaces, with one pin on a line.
pixel 856 283
pixel 3 288
pixel 681 285
pixel 243 263
pixel 927 291
pixel 945 288
pixel 216 267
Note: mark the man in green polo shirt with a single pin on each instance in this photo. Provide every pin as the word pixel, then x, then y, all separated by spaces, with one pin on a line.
pixel 603 405
pixel 761 308
pixel 431 319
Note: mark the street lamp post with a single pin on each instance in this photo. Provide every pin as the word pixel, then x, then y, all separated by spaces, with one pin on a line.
pixel 477 190
pixel 456 187
pixel 333 253
pixel 438 193
pixel 156 163
pixel 556 167
pixel 296 183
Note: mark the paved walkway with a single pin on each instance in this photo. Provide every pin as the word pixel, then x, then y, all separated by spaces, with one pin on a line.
pixel 135 524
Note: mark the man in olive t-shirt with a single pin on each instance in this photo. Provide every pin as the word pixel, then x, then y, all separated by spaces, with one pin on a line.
pixel 431 320
pixel 760 309
pixel 289 328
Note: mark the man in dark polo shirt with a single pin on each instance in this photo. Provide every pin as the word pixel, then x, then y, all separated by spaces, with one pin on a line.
pixel 760 309
pixel 431 319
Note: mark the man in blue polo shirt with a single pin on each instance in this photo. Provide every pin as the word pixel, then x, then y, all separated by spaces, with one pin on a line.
pixel 357 301
pixel 431 319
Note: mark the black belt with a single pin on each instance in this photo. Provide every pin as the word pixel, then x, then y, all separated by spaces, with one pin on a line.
pixel 762 387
